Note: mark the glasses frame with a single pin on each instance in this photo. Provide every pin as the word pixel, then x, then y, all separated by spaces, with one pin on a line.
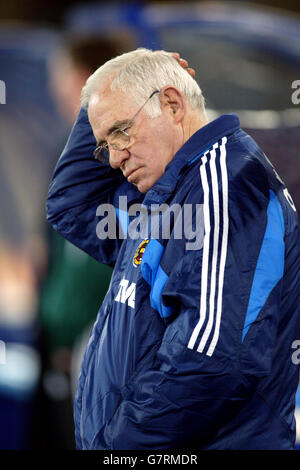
pixel 98 152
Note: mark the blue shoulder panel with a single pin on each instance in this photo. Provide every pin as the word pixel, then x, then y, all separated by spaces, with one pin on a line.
pixel 156 277
pixel 270 264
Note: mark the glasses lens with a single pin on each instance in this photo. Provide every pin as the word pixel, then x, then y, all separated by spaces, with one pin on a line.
pixel 119 140
pixel 102 155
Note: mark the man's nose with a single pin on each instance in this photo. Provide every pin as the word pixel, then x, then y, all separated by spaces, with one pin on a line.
pixel 118 157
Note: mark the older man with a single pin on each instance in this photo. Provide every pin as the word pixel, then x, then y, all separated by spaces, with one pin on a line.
pixel 193 345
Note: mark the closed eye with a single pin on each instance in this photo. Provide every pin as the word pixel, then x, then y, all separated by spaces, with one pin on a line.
pixel 102 143
pixel 121 130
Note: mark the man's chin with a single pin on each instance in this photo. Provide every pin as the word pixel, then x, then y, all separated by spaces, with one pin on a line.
pixel 145 182
pixel 142 185
pixel 141 188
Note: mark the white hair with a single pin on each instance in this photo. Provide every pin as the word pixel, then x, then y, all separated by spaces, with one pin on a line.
pixel 141 72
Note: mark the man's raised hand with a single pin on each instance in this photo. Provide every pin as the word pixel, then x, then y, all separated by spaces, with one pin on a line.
pixel 184 64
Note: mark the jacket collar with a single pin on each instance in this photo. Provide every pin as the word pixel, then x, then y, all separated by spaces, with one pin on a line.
pixel 193 149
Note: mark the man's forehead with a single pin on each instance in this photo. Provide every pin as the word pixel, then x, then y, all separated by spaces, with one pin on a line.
pixel 107 110
pixel 109 101
pixel 104 98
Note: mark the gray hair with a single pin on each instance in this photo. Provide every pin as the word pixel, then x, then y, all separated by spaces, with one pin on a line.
pixel 141 72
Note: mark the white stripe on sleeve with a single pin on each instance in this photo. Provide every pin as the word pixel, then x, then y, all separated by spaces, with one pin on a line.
pixel 218 258
pixel 205 256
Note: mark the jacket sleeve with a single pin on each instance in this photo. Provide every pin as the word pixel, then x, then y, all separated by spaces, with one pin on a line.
pixel 219 341
pixel 79 186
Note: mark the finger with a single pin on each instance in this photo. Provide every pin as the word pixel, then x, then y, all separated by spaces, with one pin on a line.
pixel 183 63
pixel 191 72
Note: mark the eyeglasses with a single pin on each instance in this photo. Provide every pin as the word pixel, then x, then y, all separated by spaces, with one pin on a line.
pixel 119 139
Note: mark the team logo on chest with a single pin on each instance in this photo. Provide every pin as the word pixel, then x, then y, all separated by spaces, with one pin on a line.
pixel 137 259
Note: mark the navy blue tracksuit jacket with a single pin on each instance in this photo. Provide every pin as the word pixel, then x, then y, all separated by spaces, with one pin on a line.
pixel 191 347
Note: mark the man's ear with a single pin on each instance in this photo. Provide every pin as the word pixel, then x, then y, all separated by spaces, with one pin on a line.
pixel 173 103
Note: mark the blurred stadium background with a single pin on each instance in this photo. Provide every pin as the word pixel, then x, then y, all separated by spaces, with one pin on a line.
pixel 246 57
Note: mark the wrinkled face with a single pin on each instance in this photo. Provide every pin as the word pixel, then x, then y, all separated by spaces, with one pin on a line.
pixel 153 142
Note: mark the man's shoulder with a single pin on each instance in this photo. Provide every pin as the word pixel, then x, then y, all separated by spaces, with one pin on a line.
pixel 234 165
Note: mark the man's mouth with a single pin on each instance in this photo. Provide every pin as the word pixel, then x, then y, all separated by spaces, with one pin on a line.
pixel 129 175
